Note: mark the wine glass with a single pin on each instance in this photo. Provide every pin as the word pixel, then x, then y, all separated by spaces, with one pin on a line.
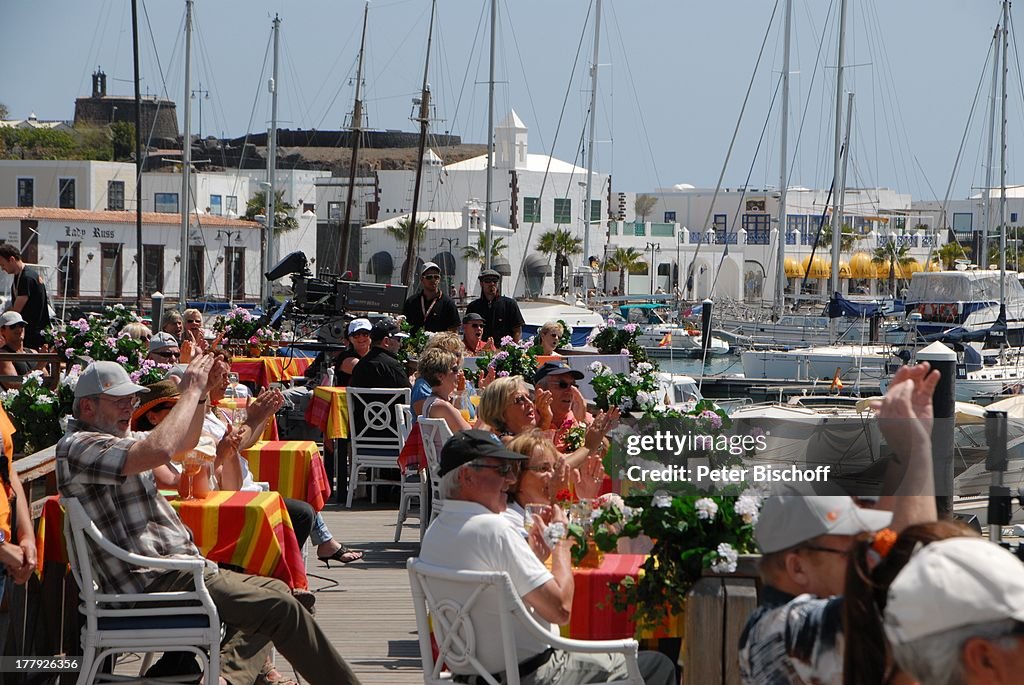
pixel 192 464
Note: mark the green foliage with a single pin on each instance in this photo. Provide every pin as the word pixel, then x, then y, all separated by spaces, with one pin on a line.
pixel 950 252
pixel 38 143
pixel 44 406
pixel 847 241
pixel 122 140
pixel 283 219
pixel 478 252
pixel 414 344
pixel 400 231
pixel 511 359
pixel 623 260
pixel 612 340
pixel 563 245
pixel 242 327
pixel 643 205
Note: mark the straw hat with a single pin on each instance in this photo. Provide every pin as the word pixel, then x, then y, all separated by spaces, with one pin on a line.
pixel 161 392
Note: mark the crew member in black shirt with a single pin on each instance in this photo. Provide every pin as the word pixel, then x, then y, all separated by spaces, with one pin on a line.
pixel 380 367
pixel 500 313
pixel 431 309
pixel 28 295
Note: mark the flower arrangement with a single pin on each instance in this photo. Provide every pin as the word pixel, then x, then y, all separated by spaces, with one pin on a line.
pixel 45 406
pixel 241 327
pixel 636 390
pixel 608 339
pixel 511 359
pixel 692 534
pixel 97 338
pixel 414 344
pixel 600 521
pixel 149 372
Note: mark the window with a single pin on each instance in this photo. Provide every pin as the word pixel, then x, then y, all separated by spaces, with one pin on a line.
pixel 595 211
pixel 152 268
pixel 115 196
pixel 68 268
pixel 196 259
pixel 26 192
pixel 334 211
pixel 165 203
pixel 308 207
pixel 720 222
pixel 215 205
pixel 563 210
pixel 1013 216
pixel 110 269
pixel 234 272
pixel 531 209
pixel 756 226
pixel 670 217
pixel 231 205
pixel 66 195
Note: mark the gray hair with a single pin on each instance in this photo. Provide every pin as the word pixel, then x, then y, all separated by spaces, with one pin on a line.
pixel 449 487
pixel 938 659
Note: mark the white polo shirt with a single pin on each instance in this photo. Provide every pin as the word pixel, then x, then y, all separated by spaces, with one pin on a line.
pixel 469 537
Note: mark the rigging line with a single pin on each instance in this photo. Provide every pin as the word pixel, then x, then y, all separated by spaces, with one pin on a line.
pixel 810 91
pixel 160 69
pixel 342 83
pixel 465 76
pixel 305 108
pixel 522 68
pixel 746 184
pixel 728 154
pixel 252 115
pixel 558 128
pixel 342 52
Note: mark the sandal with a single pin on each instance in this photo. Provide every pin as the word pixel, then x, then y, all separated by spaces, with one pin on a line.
pixel 306 598
pixel 272 676
pixel 343 555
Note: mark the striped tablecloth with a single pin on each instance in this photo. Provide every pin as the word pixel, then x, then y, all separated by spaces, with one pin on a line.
pixel 262 371
pixel 249 530
pixel 328 411
pixel 293 468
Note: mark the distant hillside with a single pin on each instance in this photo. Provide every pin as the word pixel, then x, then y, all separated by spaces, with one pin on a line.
pixel 337 159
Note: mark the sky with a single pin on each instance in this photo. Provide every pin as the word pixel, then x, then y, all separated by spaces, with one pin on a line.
pixel 673 76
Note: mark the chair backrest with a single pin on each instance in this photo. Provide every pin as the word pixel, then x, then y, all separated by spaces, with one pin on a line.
pixel 373 422
pixel 458 604
pixel 403 414
pixel 435 433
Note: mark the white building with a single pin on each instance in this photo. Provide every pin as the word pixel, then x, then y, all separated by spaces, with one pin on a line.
pixel 68 184
pixel 968 218
pixel 90 257
pixel 532 194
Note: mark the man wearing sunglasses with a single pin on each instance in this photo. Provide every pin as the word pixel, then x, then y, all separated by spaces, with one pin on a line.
pixel 500 313
pixel 472 535
pixel 164 349
pixel 430 308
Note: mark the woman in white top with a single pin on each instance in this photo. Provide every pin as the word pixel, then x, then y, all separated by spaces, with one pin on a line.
pixel 441 369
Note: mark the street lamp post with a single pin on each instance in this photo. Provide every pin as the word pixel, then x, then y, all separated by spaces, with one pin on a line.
pixel 654 248
pixel 229 262
pixel 200 94
pixel 452 242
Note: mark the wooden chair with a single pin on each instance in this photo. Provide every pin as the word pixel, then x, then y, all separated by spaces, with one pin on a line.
pixel 452 603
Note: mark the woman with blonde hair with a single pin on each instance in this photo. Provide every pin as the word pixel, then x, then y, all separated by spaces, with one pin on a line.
pixel 441 369
pixel 193 320
pixel 136 330
pixel 173 324
pixel 548 337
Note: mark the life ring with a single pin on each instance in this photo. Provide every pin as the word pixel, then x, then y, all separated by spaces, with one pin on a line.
pixel 691 331
pixel 947 312
pixel 928 312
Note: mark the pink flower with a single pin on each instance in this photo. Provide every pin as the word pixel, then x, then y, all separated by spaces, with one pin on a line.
pixel 121 359
pixel 254 340
pixel 624 352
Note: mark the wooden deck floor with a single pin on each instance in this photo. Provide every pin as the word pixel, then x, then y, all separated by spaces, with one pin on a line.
pixel 369 614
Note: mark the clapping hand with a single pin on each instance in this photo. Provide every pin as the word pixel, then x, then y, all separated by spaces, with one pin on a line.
pixel 588 479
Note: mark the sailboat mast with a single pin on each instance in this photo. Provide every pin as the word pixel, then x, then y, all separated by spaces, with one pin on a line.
pixel 837 221
pixel 356 131
pixel 186 160
pixel 590 143
pixel 986 205
pixel 837 235
pixel 271 251
pixel 138 163
pixel 1002 169
pixel 424 120
pixel 779 303
pixel 490 135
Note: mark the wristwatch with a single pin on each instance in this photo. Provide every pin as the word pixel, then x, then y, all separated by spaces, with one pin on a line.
pixel 3 537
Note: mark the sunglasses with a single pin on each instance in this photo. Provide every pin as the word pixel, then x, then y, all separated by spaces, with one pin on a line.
pixel 503 469
pixel 196 321
pixel 126 402
pixel 359 332
pixel 432 277
pixel 488 280
pixel 172 355
pixel 17 325
pixel 564 384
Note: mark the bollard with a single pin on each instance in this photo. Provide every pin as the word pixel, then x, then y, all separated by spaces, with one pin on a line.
pixel 158 310
pixel 999 502
pixel 942 358
pixel 705 323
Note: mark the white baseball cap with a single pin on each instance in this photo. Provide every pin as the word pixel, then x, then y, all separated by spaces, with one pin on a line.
pixel 359 325
pixel 954 583
pixel 106 378
pixel 787 520
pixel 427 266
pixel 10 318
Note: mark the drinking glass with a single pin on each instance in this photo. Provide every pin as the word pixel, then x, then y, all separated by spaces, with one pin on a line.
pixel 232 389
pixel 542 510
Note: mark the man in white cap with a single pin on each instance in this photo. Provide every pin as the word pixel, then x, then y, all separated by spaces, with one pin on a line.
pixel 955 614
pixel 795 635
pixel 12 328
pixel 380 367
pixel 430 308
pixel 109 470
pixel 164 348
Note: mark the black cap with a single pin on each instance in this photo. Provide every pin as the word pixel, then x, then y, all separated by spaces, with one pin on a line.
pixel 467 446
pixel 555 369
pixel 472 316
pixel 386 327
pixel 486 273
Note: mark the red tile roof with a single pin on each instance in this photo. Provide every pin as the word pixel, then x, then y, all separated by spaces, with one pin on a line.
pixel 54 214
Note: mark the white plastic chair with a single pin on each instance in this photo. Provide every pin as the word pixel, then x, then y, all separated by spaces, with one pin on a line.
pixel 115 623
pixel 374 437
pixel 435 433
pixel 458 601
pixel 412 488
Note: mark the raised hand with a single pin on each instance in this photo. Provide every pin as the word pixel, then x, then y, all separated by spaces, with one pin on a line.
pixel 197 374
pixel 578 404
pixel 588 479
pixel 542 405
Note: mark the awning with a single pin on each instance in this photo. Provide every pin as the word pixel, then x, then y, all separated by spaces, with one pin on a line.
pixel 381 264
pixel 844 270
pixel 793 268
pixel 501 265
pixel 818 268
pixel 908 269
pixel 861 266
pixel 445 260
pixel 536 265
pixel 416 274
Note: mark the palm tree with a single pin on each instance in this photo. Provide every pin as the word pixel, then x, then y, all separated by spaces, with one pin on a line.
pixel 283 219
pixel 563 245
pixel 949 253
pixel 846 241
pixel 643 204
pixel 894 255
pixel 479 251
pixel 400 231
pixel 622 260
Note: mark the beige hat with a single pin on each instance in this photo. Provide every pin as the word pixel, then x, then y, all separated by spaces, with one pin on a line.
pixel 106 378
pixel 952 584
pixel 788 520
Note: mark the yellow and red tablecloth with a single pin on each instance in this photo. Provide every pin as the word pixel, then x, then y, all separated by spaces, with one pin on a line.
pixel 262 371
pixel 249 530
pixel 293 468
pixel 328 411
